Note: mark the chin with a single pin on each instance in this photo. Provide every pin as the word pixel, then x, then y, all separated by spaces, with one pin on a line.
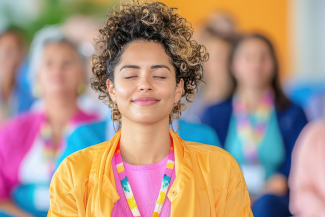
pixel 147 119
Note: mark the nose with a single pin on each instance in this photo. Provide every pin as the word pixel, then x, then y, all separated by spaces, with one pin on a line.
pixel 145 85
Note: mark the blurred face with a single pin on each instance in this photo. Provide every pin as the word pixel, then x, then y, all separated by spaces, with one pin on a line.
pixel 11 55
pixel 216 67
pixel 61 70
pixel 145 85
pixel 253 65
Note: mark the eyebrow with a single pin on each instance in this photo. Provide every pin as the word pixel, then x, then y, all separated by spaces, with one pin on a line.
pixel 130 67
pixel 160 66
pixel 138 67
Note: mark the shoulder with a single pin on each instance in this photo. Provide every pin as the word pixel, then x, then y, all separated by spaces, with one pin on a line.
pixel 82 117
pixel 217 158
pixel 313 133
pixel 88 134
pixel 198 128
pixel 292 110
pixel 85 155
pixel 21 121
pixel 224 106
pixel 91 126
pixel 77 167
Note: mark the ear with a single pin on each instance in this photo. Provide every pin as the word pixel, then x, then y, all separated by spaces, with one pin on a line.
pixel 111 91
pixel 179 90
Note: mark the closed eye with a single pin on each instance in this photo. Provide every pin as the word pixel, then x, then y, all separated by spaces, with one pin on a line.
pixel 159 77
pixel 130 77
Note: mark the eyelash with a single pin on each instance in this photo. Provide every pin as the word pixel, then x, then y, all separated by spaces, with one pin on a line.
pixel 154 77
pixel 130 77
pixel 159 77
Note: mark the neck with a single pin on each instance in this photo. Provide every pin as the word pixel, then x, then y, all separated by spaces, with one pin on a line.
pixel 144 144
pixel 59 111
pixel 216 93
pixel 252 96
pixel 7 87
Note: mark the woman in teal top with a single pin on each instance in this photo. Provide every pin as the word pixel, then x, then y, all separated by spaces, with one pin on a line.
pixel 258 124
pixel 271 153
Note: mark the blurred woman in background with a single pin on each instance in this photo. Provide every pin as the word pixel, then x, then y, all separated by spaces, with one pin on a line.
pixel 217 36
pixel 307 176
pixel 13 98
pixel 258 125
pixel 31 145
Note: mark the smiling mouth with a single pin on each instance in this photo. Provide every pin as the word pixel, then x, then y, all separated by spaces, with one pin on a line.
pixel 145 101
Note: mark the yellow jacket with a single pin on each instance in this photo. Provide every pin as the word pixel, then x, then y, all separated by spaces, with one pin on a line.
pixel 208 183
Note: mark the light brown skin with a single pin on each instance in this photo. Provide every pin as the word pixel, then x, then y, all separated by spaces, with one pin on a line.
pixel 252 68
pixel 11 56
pixel 145 135
pixel 216 76
pixel 60 74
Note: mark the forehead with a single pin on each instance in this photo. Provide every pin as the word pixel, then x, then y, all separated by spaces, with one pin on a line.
pixel 59 49
pixel 144 52
pixel 10 39
pixel 253 44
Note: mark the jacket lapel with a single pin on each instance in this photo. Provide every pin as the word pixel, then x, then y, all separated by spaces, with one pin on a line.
pixel 183 184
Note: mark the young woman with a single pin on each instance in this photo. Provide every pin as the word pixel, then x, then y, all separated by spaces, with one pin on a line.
pixel 14 98
pixel 218 82
pixel 258 125
pixel 146 61
pixel 31 144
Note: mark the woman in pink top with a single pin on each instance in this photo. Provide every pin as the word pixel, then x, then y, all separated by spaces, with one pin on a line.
pixel 33 144
pixel 307 178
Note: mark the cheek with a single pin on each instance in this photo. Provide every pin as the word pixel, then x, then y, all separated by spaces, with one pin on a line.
pixel 124 91
pixel 74 76
pixel 239 69
pixel 268 68
pixel 43 78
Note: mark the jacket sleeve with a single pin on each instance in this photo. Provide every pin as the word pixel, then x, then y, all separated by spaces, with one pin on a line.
pixel 237 200
pixel 66 196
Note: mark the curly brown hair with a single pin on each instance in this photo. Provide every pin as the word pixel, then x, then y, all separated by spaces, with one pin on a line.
pixel 155 22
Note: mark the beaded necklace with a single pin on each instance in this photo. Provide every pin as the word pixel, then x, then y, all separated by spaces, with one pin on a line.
pixel 252 135
pixel 50 153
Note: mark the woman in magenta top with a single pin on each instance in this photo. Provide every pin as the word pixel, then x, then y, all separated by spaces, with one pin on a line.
pixel 32 145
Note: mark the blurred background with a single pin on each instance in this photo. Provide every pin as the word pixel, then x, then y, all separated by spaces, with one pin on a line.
pixel 294 26
pixel 29 28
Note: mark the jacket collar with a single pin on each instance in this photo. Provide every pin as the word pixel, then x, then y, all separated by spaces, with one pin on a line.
pixel 102 175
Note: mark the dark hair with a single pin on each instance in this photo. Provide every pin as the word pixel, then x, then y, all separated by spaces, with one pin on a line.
pixel 149 22
pixel 17 32
pixel 281 101
pixel 228 38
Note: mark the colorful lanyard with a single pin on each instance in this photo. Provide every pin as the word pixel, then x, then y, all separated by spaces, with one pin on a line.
pixel 127 188
pixel 252 135
pixel 50 153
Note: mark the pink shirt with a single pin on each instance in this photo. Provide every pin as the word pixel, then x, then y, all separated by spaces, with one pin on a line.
pixel 145 181
pixel 307 177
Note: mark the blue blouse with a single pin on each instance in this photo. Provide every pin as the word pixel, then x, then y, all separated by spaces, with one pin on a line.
pixel 271 151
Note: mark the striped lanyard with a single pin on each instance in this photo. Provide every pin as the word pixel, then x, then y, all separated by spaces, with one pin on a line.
pixel 127 188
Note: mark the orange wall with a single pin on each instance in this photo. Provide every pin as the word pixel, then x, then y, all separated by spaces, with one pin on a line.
pixel 268 16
